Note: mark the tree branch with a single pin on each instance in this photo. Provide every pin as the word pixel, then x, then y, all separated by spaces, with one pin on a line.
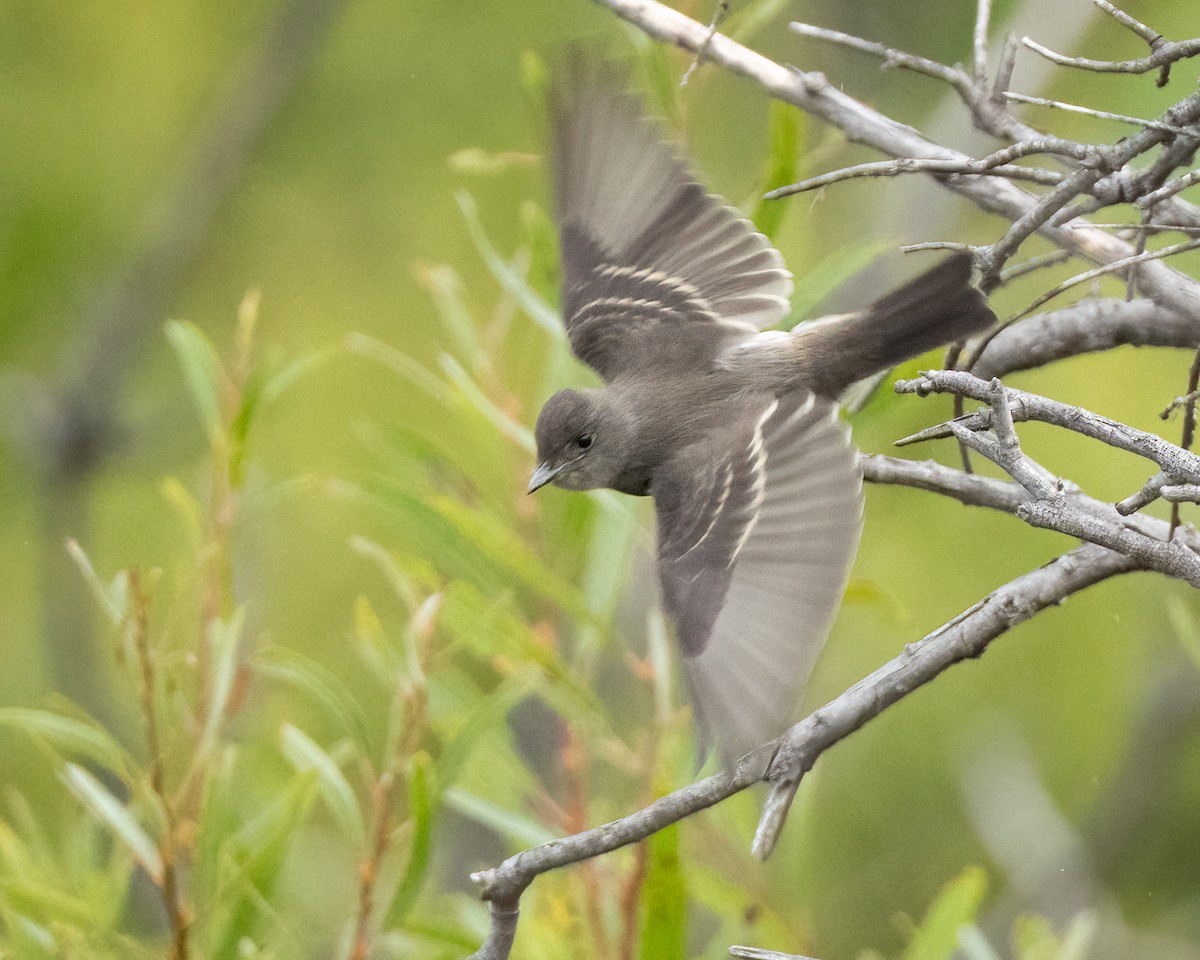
pixel 812 93
pixel 1085 327
pixel 1180 464
pixel 964 637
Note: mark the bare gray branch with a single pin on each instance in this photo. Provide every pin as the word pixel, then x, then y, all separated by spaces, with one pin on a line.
pixel 1085 327
pixel 963 638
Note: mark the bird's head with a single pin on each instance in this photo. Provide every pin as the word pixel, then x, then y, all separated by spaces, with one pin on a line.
pixel 580 440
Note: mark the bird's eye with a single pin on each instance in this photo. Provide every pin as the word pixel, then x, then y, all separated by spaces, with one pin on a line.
pixel 583 441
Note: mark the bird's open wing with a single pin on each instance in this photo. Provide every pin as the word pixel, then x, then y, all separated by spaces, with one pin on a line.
pixel 753 563
pixel 644 247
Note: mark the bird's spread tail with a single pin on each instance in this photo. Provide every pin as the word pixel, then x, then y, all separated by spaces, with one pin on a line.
pixel 938 307
pixel 827 355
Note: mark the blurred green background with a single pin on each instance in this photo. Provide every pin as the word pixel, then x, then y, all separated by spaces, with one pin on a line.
pixel 426 655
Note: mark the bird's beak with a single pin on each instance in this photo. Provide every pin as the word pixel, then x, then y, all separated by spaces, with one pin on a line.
pixel 542 476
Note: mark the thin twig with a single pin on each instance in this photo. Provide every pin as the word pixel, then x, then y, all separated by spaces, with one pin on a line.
pixel 178 914
pixel 1152 37
pixel 1182 465
pixel 983 15
pixel 1166 54
pixel 1101 114
pixel 1181 492
pixel 1189 425
pixel 903 165
pixel 813 93
pixel 890 56
pixel 1114 267
pixel 720 12
pixel 1168 190
pixel 1136 228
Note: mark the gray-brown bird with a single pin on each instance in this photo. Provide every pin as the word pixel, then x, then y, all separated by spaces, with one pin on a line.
pixel 734 432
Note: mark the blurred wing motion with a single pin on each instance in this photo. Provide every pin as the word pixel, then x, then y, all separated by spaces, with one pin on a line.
pixel 753 558
pixel 644 247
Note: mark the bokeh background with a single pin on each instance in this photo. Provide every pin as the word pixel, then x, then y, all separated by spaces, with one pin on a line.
pixel 417 651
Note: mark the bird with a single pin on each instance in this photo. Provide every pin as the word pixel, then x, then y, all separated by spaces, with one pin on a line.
pixel 733 429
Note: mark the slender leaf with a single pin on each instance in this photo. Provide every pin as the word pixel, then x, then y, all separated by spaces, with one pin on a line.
pixel 517 432
pixel 279 381
pixel 403 364
pixel 664 899
pixel 446 289
pixel 499 543
pixel 486 717
pixel 783 164
pixel 303 753
pixel 541 240
pixel 223 638
pixel 69 737
pixel 179 497
pixel 253 859
pixel 752 17
pixel 202 372
pixel 956 905
pixel 322 685
pixel 420 812
pixel 118 817
pixel 529 299
pixel 517 828
pixel 113 597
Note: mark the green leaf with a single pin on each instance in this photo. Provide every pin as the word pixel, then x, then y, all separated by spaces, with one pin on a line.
pixel 39 898
pixel 322 685
pixel 540 238
pixel 119 818
pixel 497 541
pixel 223 638
pixel 1034 938
pixel 783 164
pixel 26 937
pixel 828 275
pixel 420 812
pixel 486 717
pixel 401 363
pixel 239 428
pixel 446 290
pixel 956 905
pixel 112 597
pixel 515 431
pixel 664 899
pixel 303 753
pixel 252 861
pixel 189 511
pixel 475 161
pixel 520 830
pixel 529 299
pixel 279 382
pixel 201 371
pixel 606 567
pixel 69 737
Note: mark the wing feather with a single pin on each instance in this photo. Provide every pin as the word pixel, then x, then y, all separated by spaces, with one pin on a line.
pixel 625 198
pixel 786 583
